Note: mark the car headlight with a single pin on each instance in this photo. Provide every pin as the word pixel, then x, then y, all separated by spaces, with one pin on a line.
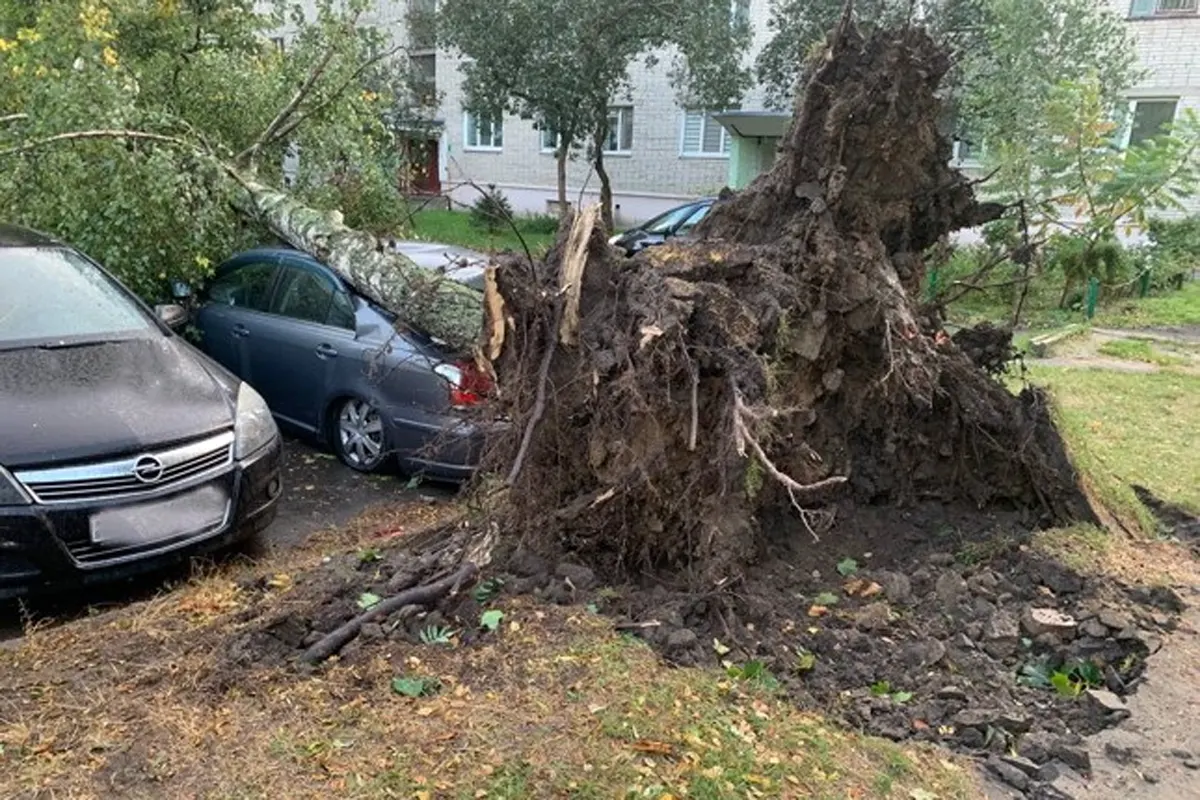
pixel 254 428
pixel 11 493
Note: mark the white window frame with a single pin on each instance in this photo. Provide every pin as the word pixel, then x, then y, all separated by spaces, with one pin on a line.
pixel 1127 133
pixel 706 120
pixel 469 122
pixel 628 149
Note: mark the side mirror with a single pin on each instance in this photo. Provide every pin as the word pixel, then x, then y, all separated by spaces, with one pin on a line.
pixel 181 290
pixel 173 316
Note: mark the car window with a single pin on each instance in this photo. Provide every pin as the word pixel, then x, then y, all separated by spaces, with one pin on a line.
pixel 341 312
pixel 244 286
pixel 55 294
pixel 693 220
pixel 303 295
pixel 666 223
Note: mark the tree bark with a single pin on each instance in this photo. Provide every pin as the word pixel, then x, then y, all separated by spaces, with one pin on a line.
pixel 424 299
pixel 560 159
pixel 606 198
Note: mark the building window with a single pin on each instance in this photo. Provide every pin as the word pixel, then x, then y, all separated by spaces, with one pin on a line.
pixel 620 130
pixel 703 135
pixel 549 138
pixel 481 132
pixel 1150 118
pixel 1141 9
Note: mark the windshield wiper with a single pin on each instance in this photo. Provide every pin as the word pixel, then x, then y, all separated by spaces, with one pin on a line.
pixel 63 344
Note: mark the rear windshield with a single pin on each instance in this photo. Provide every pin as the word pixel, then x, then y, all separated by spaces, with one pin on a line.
pixel 667 222
pixel 53 295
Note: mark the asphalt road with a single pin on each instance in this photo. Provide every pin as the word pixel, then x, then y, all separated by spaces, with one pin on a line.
pixel 319 492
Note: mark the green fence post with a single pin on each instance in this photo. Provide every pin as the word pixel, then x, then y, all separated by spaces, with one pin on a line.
pixel 1093 293
pixel 1144 283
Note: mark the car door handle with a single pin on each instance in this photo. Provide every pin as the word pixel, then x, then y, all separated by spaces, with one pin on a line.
pixel 326 351
pixel 241 331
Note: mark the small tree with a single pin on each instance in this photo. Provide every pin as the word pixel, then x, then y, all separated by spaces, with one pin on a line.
pixel 562 63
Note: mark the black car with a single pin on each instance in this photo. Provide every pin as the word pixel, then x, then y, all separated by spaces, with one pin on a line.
pixel 122 447
pixel 676 222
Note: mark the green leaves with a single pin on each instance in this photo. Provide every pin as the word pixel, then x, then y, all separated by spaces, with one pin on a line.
pixel 490 620
pixel 367 600
pixel 487 590
pixel 437 634
pixel 847 567
pixel 416 686
pixel 826 599
pixel 884 689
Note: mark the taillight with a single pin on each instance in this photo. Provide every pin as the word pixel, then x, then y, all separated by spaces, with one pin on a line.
pixel 468 383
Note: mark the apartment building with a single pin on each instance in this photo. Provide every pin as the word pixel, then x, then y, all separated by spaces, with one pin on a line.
pixel 660 153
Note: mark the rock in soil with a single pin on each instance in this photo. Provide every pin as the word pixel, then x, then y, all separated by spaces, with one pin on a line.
pixel 1037 621
pixel 1010 774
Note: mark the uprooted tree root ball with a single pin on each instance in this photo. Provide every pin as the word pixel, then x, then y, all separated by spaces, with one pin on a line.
pixel 770 375
pixel 776 365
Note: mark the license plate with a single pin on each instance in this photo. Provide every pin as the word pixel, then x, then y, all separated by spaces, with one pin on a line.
pixel 195 512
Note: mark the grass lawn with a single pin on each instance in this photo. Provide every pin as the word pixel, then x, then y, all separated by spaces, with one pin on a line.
pixel 1125 428
pixel 1169 309
pixel 454 227
pixel 145 701
pixel 1140 350
pixel 1165 310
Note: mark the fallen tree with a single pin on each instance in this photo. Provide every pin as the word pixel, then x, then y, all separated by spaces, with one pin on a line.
pixel 777 371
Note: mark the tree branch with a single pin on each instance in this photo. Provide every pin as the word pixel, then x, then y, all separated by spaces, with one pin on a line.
pixel 270 133
pixel 13 118
pixel 101 133
pixel 299 119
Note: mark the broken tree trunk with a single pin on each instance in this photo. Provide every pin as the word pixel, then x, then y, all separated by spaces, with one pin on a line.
pixel 779 369
pixel 424 299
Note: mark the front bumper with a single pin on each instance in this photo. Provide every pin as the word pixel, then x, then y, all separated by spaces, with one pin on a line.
pixel 50 546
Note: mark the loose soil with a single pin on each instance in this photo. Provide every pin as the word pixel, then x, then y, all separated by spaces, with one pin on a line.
pixel 925 637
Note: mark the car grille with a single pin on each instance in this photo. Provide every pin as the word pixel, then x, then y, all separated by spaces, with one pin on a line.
pixel 129 477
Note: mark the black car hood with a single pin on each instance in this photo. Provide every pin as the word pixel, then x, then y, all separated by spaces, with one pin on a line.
pixel 108 399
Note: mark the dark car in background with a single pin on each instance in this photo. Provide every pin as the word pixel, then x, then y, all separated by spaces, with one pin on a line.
pixel 339 367
pixel 676 222
pixel 122 447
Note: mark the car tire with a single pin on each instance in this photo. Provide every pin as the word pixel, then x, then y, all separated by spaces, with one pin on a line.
pixel 357 434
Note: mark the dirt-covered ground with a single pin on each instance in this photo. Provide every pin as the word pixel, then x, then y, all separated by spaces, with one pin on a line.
pixel 937 625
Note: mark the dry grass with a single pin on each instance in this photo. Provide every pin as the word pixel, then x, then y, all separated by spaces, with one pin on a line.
pixel 142 702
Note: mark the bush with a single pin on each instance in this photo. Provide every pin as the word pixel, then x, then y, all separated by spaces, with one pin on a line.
pixel 1077 260
pixel 541 224
pixel 1174 252
pixel 491 211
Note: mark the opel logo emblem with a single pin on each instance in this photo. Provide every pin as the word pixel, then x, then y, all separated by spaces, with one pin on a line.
pixel 148 469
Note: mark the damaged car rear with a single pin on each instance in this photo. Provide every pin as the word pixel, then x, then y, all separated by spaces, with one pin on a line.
pixel 122 447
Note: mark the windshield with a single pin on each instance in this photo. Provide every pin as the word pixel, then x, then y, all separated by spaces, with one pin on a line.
pixel 667 222
pixel 54 296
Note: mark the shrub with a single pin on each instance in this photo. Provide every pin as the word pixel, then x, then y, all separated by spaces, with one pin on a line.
pixel 491 211
pixel 543 224
pixel 1174 252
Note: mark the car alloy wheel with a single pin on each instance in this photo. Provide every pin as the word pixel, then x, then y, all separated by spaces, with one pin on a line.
pixel 359 435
